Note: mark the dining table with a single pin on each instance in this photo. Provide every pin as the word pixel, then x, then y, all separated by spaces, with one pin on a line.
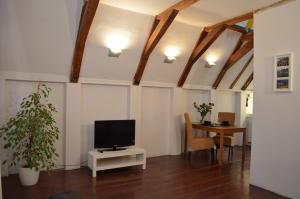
pixel 223 131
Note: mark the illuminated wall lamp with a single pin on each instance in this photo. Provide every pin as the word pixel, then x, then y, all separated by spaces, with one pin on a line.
pixel 210 64
pixel 114 52
pixel 211 61
pixel 169 59
pixel 116 43
pixel 171 52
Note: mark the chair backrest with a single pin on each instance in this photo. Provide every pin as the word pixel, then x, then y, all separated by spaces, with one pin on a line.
pixel 188 127
pixel 227 116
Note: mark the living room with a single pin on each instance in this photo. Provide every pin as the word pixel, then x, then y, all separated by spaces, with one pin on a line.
pixel 40 44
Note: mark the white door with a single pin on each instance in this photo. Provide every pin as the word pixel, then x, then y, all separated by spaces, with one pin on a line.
pixel 155 121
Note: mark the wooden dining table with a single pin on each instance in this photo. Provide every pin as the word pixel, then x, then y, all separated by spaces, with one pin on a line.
pixel 222 131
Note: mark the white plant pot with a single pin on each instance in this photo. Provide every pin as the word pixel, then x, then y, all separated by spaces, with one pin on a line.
pixel 28 177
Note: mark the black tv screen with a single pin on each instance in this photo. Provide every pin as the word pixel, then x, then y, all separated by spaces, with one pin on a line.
pixel 114 133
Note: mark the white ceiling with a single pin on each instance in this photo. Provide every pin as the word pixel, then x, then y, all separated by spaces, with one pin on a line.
pixel 202 13
pixel 26 46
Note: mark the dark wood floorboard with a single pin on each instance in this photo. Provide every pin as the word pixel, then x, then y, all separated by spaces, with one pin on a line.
pixel 175 177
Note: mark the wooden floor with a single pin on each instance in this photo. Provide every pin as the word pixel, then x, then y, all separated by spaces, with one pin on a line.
pixel 174 177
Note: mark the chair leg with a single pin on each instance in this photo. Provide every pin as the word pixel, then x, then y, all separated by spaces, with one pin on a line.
pixel 189 155
pixel 212 154
pixel 230 153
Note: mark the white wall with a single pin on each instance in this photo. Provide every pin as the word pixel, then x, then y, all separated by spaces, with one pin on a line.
pixel 198 96
pixel 275 158
pixel 157 108
pixel 73 126
pixel 101 102
pixel 39 35
pixel 155 119
pixel 226 101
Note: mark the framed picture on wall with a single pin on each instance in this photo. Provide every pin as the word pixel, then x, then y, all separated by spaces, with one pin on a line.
pixel 283 71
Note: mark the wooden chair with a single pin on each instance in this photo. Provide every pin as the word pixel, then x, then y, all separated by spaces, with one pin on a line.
pixel 229 140
pixel 194 143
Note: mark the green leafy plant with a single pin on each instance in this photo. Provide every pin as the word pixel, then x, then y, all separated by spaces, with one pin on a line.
pixel 203 109
pixel 32 132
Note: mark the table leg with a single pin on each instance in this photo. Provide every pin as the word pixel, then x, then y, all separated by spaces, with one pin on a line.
pixel 185 141
pixel 221 148
pixel 244 146
pixel 207 134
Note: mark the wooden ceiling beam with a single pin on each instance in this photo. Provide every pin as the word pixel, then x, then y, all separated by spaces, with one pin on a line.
pixel 240 50
pixel 87 15
pixel 273 5
pixel 210 34
pixel 247 36
pixel 233 21
pixel 178 6
pixel 160 25
pixel 238 28
pixel 247 83
pixel 204 42
pixel 159 28
pixel 241 73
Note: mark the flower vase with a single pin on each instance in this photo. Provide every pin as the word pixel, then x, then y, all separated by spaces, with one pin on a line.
pixel 202 119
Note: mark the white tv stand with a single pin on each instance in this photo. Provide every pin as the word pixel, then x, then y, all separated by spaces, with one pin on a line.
pixel 98 161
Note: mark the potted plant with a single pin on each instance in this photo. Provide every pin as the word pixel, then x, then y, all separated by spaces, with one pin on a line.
pixel 203 109
pixel 31 134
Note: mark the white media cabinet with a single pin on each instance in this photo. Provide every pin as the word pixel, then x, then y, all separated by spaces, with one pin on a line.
pixel 98 161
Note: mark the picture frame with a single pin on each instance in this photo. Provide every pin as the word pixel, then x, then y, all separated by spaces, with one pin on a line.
pixel 283 72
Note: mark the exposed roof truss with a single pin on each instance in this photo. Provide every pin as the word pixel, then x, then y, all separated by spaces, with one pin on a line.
pixel 160 26
pixel 87 15
pixel 243 46
pixel 208 36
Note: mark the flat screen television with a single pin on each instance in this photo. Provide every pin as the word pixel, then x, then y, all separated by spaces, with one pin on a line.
pixel 114 133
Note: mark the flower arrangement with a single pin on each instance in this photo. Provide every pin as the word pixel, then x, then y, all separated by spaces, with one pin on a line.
pixel 203 109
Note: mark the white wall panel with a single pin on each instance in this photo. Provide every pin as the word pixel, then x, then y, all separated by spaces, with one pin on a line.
pixel 73 126
pixel 101 102
pixel 155 120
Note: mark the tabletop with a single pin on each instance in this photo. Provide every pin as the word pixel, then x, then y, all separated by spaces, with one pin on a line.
pixel 212 128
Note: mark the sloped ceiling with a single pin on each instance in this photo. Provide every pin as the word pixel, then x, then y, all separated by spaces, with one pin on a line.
pixel 96 63
pixel 202 13
pixel 39 37
pixel 222 48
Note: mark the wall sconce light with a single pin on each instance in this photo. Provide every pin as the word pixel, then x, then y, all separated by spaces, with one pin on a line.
pixel 211 61
pixel 169 59
pixel 116 43
pixel 171 52
pixel 114 52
